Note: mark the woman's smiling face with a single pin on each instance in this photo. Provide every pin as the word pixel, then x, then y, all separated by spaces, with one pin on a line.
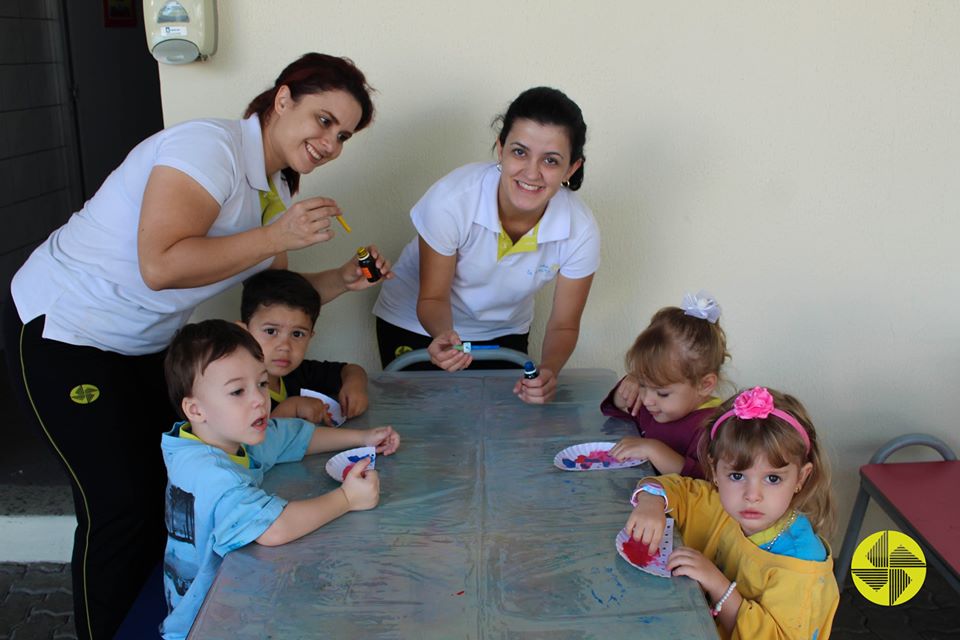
pixel 311 131
pixel 535 162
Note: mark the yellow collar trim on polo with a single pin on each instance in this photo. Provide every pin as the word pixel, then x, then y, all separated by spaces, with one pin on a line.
pixel 241 459
pixel 778 527
pixel 525 244
pixel 270 204
pixel 279 396
pixel 711 403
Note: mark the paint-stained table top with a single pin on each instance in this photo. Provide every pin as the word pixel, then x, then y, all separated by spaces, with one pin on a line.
pixel 477 534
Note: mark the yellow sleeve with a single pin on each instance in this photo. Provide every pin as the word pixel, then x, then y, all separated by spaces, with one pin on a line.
pixel 784 604
pixel 783 598
pixel 687 496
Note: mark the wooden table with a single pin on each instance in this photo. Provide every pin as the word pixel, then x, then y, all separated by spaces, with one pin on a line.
pixel 477 534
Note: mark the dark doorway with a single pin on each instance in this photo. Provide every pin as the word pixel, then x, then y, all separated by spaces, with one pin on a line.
pixel 77 92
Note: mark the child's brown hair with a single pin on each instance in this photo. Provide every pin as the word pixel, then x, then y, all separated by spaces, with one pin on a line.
pixel 677 347
pixel 738 441
pixel 195 347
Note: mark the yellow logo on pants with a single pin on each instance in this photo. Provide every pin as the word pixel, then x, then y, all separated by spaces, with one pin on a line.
pixel 888 568
pixel 84 393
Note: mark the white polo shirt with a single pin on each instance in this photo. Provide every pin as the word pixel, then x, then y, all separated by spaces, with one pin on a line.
pixel 86 277
pixel 488 298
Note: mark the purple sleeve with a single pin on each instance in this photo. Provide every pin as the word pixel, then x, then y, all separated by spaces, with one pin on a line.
pixel 691 462
pixel 607 407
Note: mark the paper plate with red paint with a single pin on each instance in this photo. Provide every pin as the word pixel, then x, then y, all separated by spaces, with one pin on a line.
pixel 339 465
pixel 637 554
pixel 591 456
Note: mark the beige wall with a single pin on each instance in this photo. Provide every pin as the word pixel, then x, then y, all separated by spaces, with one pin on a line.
pixel 797 159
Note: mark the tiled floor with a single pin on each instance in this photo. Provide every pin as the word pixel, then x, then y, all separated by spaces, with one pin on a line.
pixel 932 614
pixel 35 602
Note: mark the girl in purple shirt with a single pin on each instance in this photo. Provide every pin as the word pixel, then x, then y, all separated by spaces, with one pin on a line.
pixel 673 369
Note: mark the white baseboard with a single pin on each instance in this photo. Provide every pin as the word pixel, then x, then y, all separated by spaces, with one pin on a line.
pixel 36 538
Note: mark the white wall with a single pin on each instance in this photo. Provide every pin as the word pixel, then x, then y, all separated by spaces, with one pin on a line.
pixel 798 160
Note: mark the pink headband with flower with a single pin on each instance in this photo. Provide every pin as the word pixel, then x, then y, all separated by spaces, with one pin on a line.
pixel 758 403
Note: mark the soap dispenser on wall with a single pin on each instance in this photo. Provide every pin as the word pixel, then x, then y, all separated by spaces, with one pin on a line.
pixel 181 31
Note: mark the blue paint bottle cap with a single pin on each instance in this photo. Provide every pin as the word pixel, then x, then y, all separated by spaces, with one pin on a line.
pixel 529 367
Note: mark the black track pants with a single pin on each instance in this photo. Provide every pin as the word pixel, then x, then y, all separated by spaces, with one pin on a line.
pixel 103 415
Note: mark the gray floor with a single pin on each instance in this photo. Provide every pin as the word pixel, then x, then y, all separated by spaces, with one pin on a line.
pixel 35 601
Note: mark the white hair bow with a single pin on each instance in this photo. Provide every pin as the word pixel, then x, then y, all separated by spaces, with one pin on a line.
pixel 702 305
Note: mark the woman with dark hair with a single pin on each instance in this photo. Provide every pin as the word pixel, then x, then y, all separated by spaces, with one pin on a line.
pixel 191 211
pixel 489 237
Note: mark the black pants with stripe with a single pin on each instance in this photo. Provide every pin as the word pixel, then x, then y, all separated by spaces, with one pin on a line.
pixel 103 414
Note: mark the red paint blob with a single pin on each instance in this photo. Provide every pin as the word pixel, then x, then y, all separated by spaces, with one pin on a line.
pixel 637 552
pixel 346 470
pixel 460 593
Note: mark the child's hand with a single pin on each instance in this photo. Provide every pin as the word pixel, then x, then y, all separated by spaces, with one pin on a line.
pixel 353 401
pixel 310 409
pixel 385 439
pixel 630 447
pixel 685 561
pixel 627 396
pixel 313 410
pixel 361 487
pixel 647 522
pixel 443 354
pixel 540 390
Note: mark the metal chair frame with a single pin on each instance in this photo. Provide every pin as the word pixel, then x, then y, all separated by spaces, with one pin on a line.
pixel 867 491
pixel 421 355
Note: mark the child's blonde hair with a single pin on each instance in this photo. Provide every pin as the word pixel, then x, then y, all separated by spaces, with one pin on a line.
pixel 738 441
pixel 677 347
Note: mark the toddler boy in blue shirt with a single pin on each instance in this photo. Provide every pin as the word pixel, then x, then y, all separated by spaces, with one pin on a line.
pixel 217 456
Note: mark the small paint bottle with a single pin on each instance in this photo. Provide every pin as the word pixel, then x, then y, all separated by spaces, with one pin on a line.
pixel 530 370
pixel 368 265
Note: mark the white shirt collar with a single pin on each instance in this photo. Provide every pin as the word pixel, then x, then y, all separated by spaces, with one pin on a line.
pixel 254 164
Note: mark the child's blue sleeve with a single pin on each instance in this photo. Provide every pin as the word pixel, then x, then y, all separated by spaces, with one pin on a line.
pixel 242 515
pixel 287 440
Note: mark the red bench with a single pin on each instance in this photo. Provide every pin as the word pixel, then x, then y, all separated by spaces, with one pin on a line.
pixel 923 498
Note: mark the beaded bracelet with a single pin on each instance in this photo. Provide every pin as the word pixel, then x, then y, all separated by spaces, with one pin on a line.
pixel 716 608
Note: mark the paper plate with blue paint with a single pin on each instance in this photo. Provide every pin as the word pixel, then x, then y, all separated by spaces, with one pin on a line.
pixel 339 465
pixel 637 554
pixel 591 456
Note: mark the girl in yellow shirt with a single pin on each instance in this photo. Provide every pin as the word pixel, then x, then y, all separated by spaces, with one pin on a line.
pixel 753 527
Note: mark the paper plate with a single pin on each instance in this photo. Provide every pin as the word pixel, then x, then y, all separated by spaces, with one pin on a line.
pixel 591 456
pixel 340 464
pixel 636 553
pixel 336 412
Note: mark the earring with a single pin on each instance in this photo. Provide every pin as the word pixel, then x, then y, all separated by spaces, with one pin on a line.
pixel 565 183
pixel 797 490
pixel 498 167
